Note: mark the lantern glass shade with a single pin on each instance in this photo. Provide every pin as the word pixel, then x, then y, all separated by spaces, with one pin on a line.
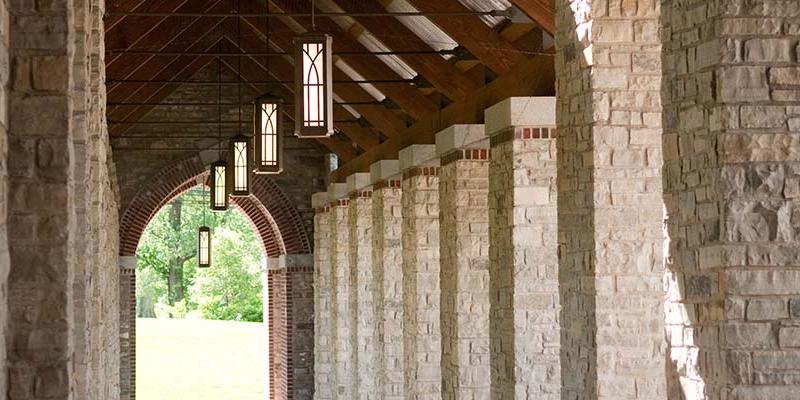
pixel 239 173
pixel 313 91
pixel 204 247
pixel 219 188
pixel 268 141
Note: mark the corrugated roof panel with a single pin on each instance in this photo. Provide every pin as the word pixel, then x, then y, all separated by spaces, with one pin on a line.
pixel 488 5
pixel 354 75
pixel 395 63
pixel 426 30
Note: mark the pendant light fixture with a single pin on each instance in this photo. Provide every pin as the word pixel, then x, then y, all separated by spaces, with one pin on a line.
pixel 267 126
pixel 218 173
pixel 239 173
pixel 204 245
pixel 313 65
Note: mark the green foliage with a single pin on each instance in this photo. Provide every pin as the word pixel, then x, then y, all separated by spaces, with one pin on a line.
pixel 229 290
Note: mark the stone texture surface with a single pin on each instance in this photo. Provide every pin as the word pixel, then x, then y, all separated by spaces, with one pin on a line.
pixel 324 372
pixel 525 339
pixel 464 276
pixel 421 288
pixel 608 78
pixel 387 224
pixel 344 355
pixel 731 110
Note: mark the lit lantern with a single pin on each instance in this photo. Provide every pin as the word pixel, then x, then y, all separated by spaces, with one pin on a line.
pixel 313 86
pixel 204 247
pixel 219 188
pixel 267 134
pixel 239 174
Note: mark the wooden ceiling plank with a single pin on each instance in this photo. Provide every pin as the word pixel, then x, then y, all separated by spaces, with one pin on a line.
pixel 472 33
pixel 535 77
pixel 543 12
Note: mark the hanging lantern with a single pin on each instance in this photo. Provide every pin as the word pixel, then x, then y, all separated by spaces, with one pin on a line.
pixel 239 173
pixel 219 188
pixel 267 134
pixel 313 86
pixel 204 247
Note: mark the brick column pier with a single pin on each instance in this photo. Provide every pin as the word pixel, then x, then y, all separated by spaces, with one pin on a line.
pixel 464 254
pixel 324 373
pixel 362 282
pixel 387 224
pixel 523 250
pixel 343 330
pixel 421 290
pixel 127 327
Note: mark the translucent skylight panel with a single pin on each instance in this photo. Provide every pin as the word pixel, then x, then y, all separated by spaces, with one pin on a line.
pixel 488 5
pixel 423 27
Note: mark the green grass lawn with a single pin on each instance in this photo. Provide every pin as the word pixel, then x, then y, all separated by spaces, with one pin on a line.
pixel 200 360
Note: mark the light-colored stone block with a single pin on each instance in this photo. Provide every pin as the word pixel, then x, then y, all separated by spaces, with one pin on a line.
pixel 520 111
pixel 295 260
pixel 461 137
pixel 418 155
pixel 319 200
pixel 384 169
pixel 337 191
pixel 358 181
pixel 129 262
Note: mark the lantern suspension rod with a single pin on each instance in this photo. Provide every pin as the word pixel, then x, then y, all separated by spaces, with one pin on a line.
pixel 444 52
pixel 229 83
pixel 493 13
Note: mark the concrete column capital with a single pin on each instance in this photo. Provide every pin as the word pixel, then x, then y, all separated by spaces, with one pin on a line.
pixel 520 111
pixel 418 155
pixel 461 137
pixel 384 170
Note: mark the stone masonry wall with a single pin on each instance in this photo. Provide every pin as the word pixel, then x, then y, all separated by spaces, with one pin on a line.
pixel 343 330
pixel 388 274
pixel 731 93
pixel 300 294
pixel 610 199
pixel 421 290
pixel 324 372
pixel 278 329
pixel 4 195
pixel 524 265
pixel 362 305
pixel 464 255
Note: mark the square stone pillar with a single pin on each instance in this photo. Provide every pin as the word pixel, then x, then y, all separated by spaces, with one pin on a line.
pixel 362 282
pixel 422 339
pixel 523 249
pixel 299 323
pixel 278 304
pixel 324 373
pixel 464 255
pixel 387 221
pixel 343 330
pixel 127 326
pixel 610 207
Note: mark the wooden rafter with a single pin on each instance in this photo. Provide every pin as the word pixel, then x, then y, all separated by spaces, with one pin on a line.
pixel 543 12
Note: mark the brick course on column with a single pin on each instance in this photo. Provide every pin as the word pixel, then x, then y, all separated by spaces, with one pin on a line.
pixel 421 289
pixel 732 191
pixel 278 330
pixel 127 327
pixel 362 286
pixel 387 258
pixel 324 373
pixel 523 251
pixel 610 206
pixel 464 255
pixel 343 330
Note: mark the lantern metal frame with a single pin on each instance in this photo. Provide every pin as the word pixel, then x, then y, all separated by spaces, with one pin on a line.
pixel 204 237
pixel 216 186
pixel 240 165
pixel 261 162
pixel 313 87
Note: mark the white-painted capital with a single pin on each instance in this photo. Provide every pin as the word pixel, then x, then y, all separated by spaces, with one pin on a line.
pixel 337 191
pixel 383 170
pixel 295 260
pixel 128 262
pixel 320 200
pixel 418 155
pixel 520 111
pixel 358 181
pixel 459 137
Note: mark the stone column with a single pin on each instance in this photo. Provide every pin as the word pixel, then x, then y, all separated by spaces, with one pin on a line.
pixel 362 282
pixel 324 373
pixel 343 330
pixel 421 291
pixel 732 192
pixel 127 326
pixel 464 255
pixel 610 207
pixel 387 224
pixel 523 249
pixel 278 330
pixel 299 324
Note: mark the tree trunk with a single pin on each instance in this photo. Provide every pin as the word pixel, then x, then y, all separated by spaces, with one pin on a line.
pixel 175 280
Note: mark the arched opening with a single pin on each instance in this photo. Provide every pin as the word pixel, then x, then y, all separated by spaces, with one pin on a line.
pixel 190 316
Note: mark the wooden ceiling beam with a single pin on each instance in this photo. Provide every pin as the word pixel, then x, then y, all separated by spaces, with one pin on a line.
pixel 472 33
pixel 543 12
pixel 408 97
pixel 535 77
pixel 443 75
pixel 128 5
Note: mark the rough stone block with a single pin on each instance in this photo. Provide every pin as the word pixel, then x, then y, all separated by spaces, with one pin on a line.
pixel 790 337
pixel 320 200
pixel 766 309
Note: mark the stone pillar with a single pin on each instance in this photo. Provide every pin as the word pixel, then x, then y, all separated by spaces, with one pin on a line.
pixel 127 326
pixel 362 282
pixel 387 255
pixel 324 373
pixel 421 291
pixel 732 192
pixel 610 206
pixel 299 323
pixel 464 255
pixel 343 330
pixel 523 249
pixel 278 330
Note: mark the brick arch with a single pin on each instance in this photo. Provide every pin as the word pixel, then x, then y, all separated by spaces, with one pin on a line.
pixel 268 209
